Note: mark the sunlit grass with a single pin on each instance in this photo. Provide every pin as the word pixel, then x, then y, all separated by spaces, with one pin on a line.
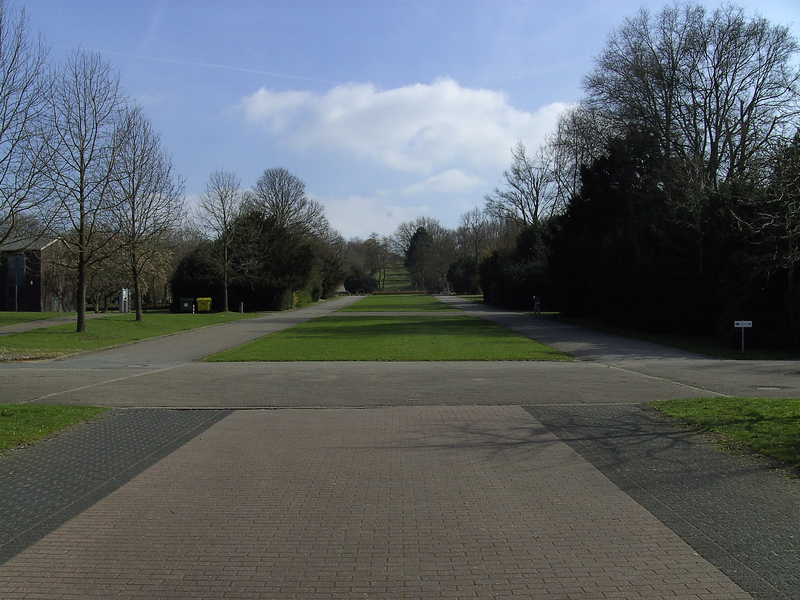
pixel 23 424
pixel 63 340
pixel 398 303
pixel 13 318
pixel 770 426
pixel 379 338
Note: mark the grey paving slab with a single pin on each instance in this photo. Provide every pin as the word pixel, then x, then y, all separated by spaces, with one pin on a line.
pixel 407 502
pixel 339 384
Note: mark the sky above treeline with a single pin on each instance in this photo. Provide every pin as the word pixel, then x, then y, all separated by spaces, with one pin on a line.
pixel 388 109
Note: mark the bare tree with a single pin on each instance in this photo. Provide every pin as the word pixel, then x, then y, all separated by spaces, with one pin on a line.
pixel 150 205
pixel 472 234
pixel 22 81
pixel 579 139
pixel 282 195
pixel 429 250
pixel 401 240
pixel 528 193
pixel 85 105
pixel 218 209
pixel 717 90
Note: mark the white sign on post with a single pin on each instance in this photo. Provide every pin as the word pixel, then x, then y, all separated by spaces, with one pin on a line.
pixel 743 325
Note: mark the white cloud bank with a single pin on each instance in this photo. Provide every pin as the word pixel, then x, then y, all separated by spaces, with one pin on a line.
pixel 421 128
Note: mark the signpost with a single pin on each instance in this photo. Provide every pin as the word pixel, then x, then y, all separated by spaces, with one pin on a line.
pixel 743 325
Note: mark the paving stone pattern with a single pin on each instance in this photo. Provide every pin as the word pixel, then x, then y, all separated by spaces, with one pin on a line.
pixel 44 486
pixel 739 513
pixel 406 502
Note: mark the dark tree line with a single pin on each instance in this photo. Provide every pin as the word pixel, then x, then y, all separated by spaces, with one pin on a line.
pixel 675 184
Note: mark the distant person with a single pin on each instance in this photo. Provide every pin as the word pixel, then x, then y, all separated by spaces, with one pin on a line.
pixel 536 306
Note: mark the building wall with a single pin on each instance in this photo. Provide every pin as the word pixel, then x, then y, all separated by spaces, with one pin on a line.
pixel 41 286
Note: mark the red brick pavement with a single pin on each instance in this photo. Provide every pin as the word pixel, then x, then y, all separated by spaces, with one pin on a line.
pixel 413 502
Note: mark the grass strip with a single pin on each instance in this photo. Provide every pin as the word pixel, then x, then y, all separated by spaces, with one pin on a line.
pixel 381 338
pixel 24 424
pixel 399 303
pixel 769 426
pixel 14 318
pixel 62 340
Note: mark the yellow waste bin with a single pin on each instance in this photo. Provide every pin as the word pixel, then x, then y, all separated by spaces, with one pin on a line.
pixel 203 304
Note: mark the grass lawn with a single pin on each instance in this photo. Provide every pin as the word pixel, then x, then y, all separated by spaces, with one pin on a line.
pixel 23 424
pixel 62 340
pixel 397 278
pixel 399 303
pixel 458 337
pixel 12 318
pixel 770 426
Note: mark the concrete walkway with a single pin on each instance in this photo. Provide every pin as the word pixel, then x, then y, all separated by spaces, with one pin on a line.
pixel 467 480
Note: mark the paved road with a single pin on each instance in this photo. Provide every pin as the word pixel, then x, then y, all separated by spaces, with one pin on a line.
pixel 165 373
pixel 466 480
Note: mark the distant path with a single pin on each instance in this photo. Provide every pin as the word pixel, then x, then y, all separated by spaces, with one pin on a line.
pixel 694 373
pixel 165 372
pixel 39 323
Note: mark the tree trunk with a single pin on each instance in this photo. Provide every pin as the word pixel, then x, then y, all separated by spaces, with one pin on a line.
pixel 225 281
pixel 137 295
pixel 81 295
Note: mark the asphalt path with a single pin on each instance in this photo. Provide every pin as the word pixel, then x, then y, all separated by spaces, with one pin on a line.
pixel 167 372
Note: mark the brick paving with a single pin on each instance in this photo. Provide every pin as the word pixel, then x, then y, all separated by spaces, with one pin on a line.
pixel 740 513
pixel 44 486
pixel 404 502
pixel 581 495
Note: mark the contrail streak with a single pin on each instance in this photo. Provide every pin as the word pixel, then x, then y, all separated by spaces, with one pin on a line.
pixel 226 67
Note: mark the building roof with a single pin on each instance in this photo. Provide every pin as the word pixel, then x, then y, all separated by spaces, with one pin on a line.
pixel 27 244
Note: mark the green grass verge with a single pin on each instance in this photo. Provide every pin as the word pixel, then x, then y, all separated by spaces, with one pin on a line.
pixel 399 303
pixel 769 426
pixel 12 318
pixel 706 345
pixel 397 278
pixel 24 424
pixel 399 338
pixel 62 340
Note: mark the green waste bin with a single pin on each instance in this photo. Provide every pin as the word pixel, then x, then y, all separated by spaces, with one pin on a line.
pixel 203 304
pixel 187 304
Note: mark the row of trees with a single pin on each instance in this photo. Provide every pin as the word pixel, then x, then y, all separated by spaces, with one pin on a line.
pixel 80 162
pixel 267 248
pixel 668 198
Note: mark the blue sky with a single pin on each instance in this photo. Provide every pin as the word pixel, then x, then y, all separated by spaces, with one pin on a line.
pixel 387 109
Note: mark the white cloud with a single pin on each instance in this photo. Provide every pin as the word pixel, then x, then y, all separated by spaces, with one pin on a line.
pixel 418 128
pixel 276 110
pixel 359 216
pixel 450 182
